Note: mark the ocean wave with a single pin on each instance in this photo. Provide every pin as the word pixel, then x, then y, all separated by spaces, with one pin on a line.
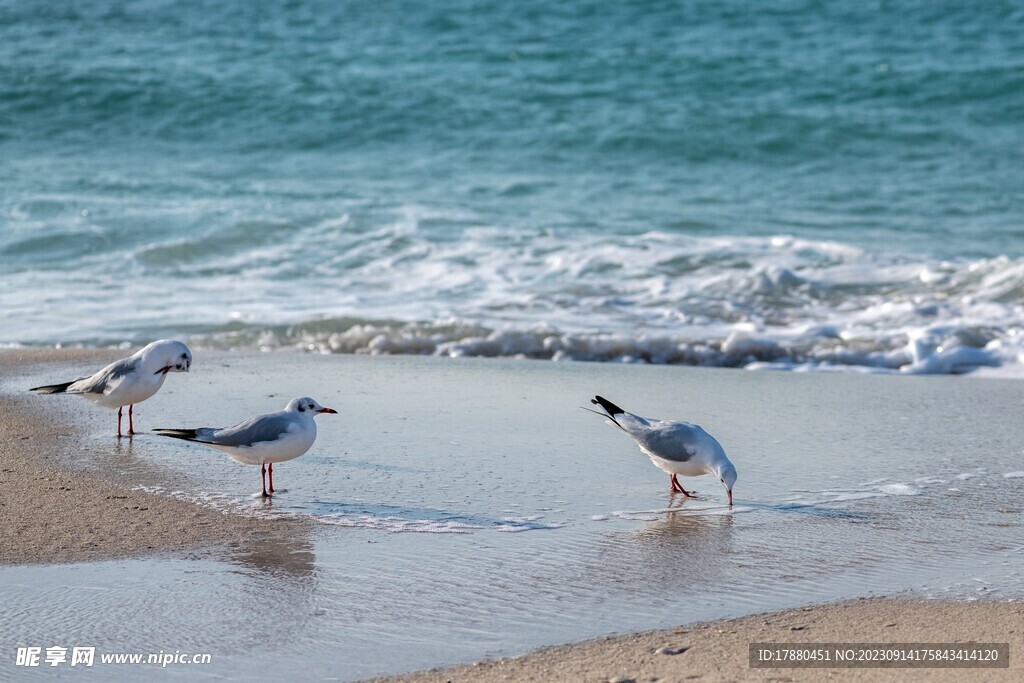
pixel 823 349
pixel 747 302
pixel 778 303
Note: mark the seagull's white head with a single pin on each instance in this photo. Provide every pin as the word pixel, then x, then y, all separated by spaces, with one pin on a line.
pixel 166 356
pixel 306 405
pixel 727 475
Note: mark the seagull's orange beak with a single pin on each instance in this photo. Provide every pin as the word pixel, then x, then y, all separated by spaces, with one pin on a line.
pixel 332 411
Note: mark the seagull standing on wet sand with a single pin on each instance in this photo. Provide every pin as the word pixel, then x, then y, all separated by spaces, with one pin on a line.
pixel 262 440
pixel 130 380
pixel 676 447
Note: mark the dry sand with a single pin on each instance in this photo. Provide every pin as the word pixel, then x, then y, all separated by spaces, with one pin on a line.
pixel 50 514
pixel 718 651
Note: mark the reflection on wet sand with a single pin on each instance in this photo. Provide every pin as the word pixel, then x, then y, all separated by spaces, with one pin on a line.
pixel 124 448
pixel 279 558
pixel 675 552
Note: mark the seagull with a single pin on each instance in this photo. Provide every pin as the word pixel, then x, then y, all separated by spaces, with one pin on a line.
pixel 130 380
pixel 264 439
pixel 674 446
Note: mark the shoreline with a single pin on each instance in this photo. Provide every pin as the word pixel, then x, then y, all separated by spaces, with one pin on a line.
pixel 620 351
pixel 718 650
pixel 55 515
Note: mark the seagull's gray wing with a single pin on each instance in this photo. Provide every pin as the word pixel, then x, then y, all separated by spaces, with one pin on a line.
pixel 253 431
pixel 104 381
pixel 670 440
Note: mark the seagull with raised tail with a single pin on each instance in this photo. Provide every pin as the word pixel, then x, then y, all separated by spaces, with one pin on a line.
pixel 262 440
pixel 674 446
pixel 130 380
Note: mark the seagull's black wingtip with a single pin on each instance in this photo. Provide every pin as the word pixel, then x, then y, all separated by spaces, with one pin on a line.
pixel 53 388
pixel 184 434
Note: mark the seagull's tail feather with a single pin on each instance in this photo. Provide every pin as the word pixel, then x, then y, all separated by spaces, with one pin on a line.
pixel 610 411
pixel 53 388
pixel 185 434
pixel 608 406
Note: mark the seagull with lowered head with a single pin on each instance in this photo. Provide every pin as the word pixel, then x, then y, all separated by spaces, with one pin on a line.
pixel 130 380
pixel 675 447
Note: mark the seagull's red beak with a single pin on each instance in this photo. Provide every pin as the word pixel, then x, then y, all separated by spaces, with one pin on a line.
pixel 730 498
pixel 332 411
pixel 164 370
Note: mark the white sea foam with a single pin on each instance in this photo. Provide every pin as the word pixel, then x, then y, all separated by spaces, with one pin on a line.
pixel 1014 475
pixel 684 510
pixel 797 305
pixel 397 524
pixel 899 490
pixel 857 495
pixel 779 303
pixel 223 502
pixel 394 524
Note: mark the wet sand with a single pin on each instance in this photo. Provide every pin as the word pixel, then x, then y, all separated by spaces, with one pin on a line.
pixel 53 515
pixel 55 512
pixel 718 651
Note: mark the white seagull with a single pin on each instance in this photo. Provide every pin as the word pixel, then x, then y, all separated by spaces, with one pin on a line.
pixel 674 446
pixel 262 440
pixel 130 380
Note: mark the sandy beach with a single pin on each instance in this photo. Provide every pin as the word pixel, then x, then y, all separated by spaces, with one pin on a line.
pixel 718 651
pixel 51 514
pixel 388 537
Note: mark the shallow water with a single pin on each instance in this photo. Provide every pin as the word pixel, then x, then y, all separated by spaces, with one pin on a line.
pixel 470 509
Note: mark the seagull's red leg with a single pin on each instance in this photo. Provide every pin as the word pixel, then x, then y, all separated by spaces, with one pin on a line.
pixel 270 474
pixel 120 408
pixel 263 480
pixel 131 423
pixel 675 484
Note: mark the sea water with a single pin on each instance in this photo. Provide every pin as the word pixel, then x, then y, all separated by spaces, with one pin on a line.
pixel 805 185
pixel 468 508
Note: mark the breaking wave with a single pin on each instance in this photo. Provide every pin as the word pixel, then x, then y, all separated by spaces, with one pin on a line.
pixel 757 303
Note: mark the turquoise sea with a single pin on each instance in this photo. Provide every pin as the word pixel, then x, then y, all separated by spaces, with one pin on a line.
pixel 792 185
